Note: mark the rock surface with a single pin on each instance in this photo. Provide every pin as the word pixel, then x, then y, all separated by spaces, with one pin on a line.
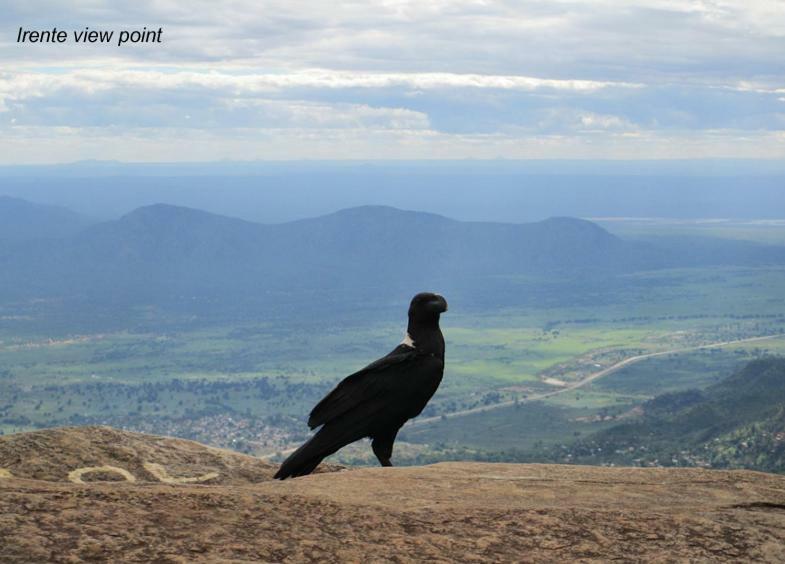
pixel 445 512
pixel 53 454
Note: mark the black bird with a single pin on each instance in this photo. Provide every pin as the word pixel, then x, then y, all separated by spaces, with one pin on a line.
pixel 376 401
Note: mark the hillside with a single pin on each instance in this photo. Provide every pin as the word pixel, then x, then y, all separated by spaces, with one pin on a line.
pixel 165 254
pixel 23 220
pixel 445 512
pixel 737 422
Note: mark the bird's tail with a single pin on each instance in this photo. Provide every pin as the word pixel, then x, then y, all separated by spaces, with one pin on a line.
pixel 305 459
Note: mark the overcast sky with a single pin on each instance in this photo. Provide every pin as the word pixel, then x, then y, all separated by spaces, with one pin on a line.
pixel 249 79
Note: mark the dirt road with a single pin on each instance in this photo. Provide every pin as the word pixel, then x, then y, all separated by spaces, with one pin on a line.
pixel 570 387
pixel 591 378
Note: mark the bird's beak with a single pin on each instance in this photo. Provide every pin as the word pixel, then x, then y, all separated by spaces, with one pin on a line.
pixel 441 303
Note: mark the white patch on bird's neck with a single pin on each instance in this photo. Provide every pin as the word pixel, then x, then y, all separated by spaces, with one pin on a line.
pixel 408 341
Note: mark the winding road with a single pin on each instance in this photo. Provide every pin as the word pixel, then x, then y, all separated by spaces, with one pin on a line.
pixel 570 387
pixel 589 379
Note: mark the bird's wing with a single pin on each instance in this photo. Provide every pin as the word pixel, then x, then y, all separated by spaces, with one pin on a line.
pixel 379 382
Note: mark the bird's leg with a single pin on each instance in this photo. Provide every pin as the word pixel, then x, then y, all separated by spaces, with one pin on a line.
pixel 382 448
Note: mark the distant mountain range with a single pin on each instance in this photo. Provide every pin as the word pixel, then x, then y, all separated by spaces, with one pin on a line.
pixel 498 190
pixel 161 253
pixel 20 219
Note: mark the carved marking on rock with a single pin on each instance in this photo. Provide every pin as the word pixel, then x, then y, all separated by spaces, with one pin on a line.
pixel 76 475
pixel 160 472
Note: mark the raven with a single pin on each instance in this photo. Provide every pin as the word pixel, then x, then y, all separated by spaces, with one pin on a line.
pixel 376 401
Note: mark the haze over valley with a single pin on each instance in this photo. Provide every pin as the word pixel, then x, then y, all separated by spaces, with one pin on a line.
pixel 565 334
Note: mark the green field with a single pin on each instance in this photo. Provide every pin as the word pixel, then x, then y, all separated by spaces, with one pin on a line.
pixel 249 384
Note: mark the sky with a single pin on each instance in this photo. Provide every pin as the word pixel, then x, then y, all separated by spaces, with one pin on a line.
pixel 396 79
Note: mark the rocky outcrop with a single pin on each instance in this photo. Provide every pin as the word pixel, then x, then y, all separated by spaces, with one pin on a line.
pixel 445 512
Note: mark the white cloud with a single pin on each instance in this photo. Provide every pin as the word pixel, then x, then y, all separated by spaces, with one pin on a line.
pixel 438 77
pixel 592 121
pixel 38 144
pixel 632 41
pixel 294 114
pixel 93 80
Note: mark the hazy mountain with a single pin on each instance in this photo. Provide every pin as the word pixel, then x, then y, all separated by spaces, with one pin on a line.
pixel 511 191
pixel 161 252
pixel 20 219
pixel 163 249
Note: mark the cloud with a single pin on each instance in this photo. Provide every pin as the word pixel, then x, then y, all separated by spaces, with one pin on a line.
pixel 37 144
pixel 213 99
pixel 593 40
pixel 495 76
pixel 91 80
pixel 592 122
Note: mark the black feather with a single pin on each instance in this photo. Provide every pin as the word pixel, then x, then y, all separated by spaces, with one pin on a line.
pixel 376 401
pixel 364 385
